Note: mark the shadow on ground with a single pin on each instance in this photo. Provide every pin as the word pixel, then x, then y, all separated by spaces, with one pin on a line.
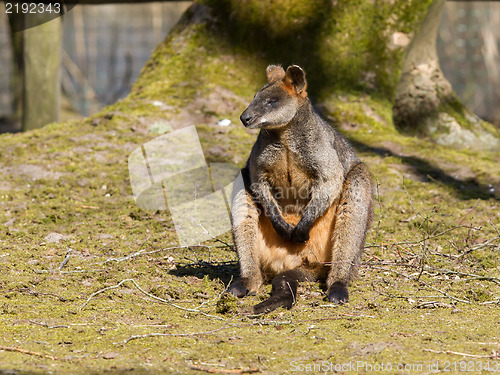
pixel 224 272
pixel 469 188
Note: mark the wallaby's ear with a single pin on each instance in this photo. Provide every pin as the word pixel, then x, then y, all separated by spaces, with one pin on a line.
pixel 275 73
pixel 295 77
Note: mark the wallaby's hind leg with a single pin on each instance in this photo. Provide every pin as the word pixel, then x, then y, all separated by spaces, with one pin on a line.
pixel 348 238
pixel 245 222
pixel 284 290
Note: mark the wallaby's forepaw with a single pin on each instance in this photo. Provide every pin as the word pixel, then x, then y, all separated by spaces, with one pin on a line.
pixel 300 235
pixel 284 229
pixel 338 293
pixel 239 288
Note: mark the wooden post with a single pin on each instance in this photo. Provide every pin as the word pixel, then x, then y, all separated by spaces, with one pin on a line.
pixel 41 81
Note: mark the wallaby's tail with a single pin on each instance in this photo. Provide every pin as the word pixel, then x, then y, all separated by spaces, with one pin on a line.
pixel 284 292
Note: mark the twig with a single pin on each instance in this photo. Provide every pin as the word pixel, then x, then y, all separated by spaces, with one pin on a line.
pixel 411 200
pixel 46 325
pixel 484 343
pixel 90 207
pixel 142 252
pixel 480 246
pixel 195 310
pixel 67 272
pixel 227 325
pixel 66 259
pixel 494 227
pixel 36 294
pixel 222 371
pixel 291 291
pixel 425 284
pixel 219 296
pixel 470 276
pixel 158 334
pixel 24 351
pixel 419 242
pixel 492 356
pixel 431 305
pixel 217 239
pixel 495 301
pixel 468 213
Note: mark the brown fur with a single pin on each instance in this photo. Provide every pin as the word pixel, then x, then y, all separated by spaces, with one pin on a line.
pixel 278 255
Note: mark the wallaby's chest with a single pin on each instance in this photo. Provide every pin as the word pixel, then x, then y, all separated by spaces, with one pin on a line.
pixel 287 175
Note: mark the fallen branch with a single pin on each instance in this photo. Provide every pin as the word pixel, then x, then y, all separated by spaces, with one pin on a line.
pixel 195 310
pixel 424 284
pixel 36 294
pixel 494 355
pixel 24 351
pixel 67 272
pixel 256 323
pixel 46 325
pixel 66 259
pixel 222 371
pixel 159 334
pixel 142 252
pixel 440 271
pixel 495 301
pixel 481 245
pixel 90 207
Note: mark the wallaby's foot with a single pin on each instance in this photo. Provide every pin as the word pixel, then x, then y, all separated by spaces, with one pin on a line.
pixel 284 291
pixel 241 288
pixel 285 300
pixel 338 293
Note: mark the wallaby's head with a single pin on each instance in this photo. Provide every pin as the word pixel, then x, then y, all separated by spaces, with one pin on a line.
pixel 276 104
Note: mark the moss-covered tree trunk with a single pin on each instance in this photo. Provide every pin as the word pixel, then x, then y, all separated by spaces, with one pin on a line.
pixel 425 102
pixel 349 49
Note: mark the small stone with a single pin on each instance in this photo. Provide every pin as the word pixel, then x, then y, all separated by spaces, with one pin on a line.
pixel 224 122
pixel 161 127
pixel 399 39
pixel 9 223
pixel 54 237
pixel 218 151
pixel 110 355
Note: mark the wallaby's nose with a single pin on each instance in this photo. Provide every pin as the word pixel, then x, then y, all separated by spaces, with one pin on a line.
pixel 245 118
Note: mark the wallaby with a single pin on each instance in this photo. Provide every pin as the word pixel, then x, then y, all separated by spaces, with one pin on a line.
pixel 306 204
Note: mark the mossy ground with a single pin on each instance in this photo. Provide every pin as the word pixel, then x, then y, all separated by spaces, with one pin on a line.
pixel 426 289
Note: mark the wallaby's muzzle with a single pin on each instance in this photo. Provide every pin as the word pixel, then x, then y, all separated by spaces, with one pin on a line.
pixel 246 118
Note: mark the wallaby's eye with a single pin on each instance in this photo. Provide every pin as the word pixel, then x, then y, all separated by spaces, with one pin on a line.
pixel 273 102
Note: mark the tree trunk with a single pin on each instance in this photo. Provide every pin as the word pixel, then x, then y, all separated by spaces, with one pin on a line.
pixel 425 103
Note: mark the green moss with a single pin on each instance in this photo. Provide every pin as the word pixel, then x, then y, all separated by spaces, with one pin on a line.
pixel 465 118
pixel 226 305
pixel 342 46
